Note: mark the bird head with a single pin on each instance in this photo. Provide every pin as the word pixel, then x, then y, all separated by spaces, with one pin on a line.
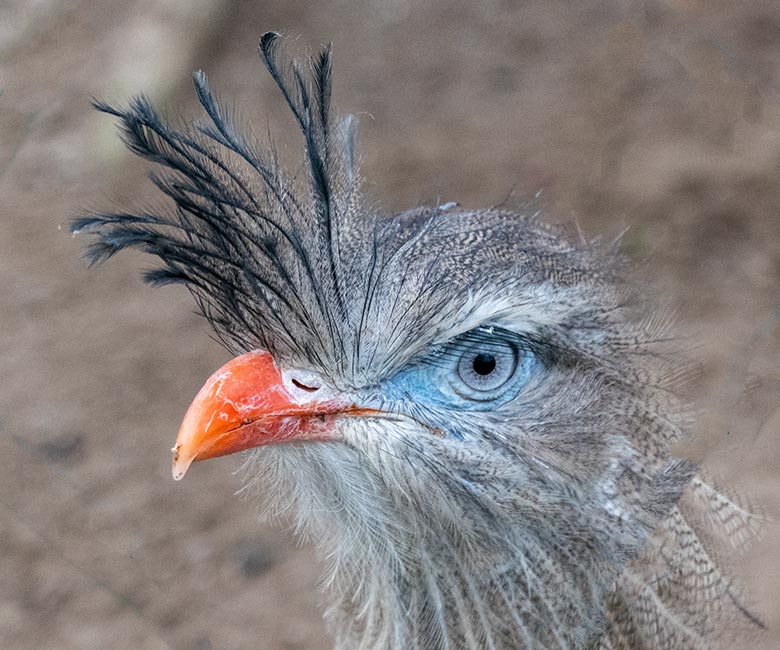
pixel 464 409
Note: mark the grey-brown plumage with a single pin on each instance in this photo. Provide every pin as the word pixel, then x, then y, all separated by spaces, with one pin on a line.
pixel 523 493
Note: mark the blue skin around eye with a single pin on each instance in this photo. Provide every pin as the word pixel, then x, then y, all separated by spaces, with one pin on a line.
pixel 434 384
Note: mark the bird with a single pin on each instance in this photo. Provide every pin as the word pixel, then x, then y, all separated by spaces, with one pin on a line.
pixel 470 412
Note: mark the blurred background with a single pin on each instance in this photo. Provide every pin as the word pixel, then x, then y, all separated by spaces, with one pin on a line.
pixel 661 117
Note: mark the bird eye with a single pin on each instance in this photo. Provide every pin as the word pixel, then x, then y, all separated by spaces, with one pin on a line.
pixel 484 368
pixel 478 370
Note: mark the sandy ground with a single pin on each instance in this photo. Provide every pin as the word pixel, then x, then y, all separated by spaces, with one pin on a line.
pixel 662 117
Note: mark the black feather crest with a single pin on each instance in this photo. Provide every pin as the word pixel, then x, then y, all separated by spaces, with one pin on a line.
pixel 260 256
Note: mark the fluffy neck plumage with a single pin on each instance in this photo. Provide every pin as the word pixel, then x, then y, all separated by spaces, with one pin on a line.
pixel 399 579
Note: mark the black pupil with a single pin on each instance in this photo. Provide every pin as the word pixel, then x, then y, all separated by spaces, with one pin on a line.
pixel 484 364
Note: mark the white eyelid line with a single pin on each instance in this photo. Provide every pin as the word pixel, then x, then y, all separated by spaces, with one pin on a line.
pixel 487 311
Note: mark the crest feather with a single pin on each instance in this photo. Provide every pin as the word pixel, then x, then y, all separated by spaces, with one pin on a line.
pixel 259 252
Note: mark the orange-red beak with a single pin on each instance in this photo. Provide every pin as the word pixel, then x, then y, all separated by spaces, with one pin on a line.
pixel 246 404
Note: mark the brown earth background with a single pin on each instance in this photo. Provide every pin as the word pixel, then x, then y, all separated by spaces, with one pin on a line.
pixel 660 116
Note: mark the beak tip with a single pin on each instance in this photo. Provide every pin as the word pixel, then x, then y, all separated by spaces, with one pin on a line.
pixel 178 471
pixel 180 464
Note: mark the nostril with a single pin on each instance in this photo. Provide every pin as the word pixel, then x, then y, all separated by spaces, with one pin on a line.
pixel 308 389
